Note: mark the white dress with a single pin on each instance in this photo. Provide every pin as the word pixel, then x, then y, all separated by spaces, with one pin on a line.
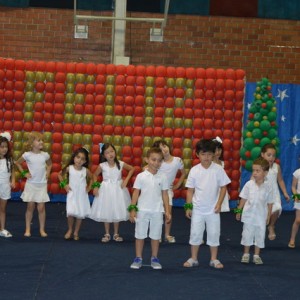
pixel 78 203
pixel 112 202
pixel 272 179
pixel 225 204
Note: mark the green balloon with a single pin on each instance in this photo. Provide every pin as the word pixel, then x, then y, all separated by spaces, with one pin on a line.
pixel 110 89
pixel 40 76
pixel 190 83
pixel 253 109
pixel 272 116
pixel 170 82
pixel 264 111
pixel 189 93
pixel 257 117
pixel 147 141
pixel 272 133
pixel 30 76
pixel 149 91
pixel 248 165
pixel 180 82
pixel 110 79
pixel 243 153
pixel 255 152
pixel 264 141
pixel 79 99
pixel 257 133
pixel 71 78
pixel 249 143
pixel 80 78
pixel 250 125
pixel 150 81
pixel 187 153
pixel 257 103
pixel 265 125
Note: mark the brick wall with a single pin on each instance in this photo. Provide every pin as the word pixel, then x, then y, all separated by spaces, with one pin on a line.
pixel 263 47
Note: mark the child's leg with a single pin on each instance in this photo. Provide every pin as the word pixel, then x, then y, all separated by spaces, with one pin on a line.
pixel 214 257
pixel 70 227
pixel 168 226
pixel 106 237
pixel 154 248
pixel 116 235
pixel 28 218
pixel 42 218
pixel 3 204
pixel 139 246
pixel 295 228
pixel 246 249
pixel 256 250
pixel 77 227
pixel 271 227
pixel 106 227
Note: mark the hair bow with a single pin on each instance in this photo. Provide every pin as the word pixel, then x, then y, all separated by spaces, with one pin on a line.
pixel 218 139
pixel 6 135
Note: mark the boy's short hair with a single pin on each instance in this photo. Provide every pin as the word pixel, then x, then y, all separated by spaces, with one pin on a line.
pixel 154 150
pixel 206 146
pixel 260 161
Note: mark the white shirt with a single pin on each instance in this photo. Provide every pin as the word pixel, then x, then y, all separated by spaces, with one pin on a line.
pixel 257 198
pixel 170 169
pixel 207 183
pixel 36 163
pixel 151 187
pixel 4 174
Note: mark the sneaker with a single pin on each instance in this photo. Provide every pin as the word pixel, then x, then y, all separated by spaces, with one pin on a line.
pixel 257 260
pixel 155 263
pixel 245 258
pixel 5 233
pixel 137 263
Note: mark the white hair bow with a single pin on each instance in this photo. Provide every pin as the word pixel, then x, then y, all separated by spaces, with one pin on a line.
pixel 218 139
pixel 6 135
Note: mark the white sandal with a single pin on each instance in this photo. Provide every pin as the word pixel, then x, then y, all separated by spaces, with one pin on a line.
pixel 106 238
pixel 5 233
pixel 190 263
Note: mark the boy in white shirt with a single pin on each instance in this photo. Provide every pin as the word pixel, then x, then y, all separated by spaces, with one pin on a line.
pixel 255 207
pixel 149 201
pixel 206 185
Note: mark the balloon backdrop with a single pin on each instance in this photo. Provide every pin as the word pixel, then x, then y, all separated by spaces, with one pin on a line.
pixel 77 104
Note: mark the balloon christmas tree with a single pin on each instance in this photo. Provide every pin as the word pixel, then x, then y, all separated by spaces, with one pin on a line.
pixel 261 127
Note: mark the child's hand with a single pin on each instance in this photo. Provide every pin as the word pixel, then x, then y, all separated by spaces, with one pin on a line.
pixel 13 184
pixel 188 213
pixel 238 217
pixel 123 185
pixel 88 188
pixel 287 197
pixel 28 175
pixel 96 191
pixel 217 208
pixel 168 218
pixel 132 216
pixel 268 220
pixel 67 188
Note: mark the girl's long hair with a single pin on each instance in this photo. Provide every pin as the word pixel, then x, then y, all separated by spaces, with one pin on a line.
pixel 105 147
pixel 7 156
pixel 71 161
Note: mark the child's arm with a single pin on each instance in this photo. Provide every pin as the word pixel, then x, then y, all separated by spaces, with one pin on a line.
pixel 180 180
pixel 97 172
pixel 282 185
pixel 269 212
pixel 61 179
pixel 48 168
pixel 189 197
pixel 240 206
pixel 90 180
pixel 12 176
pixel 130 170
pixel 165 197
pixel 222 194
pixel 18 163
pixel 134 200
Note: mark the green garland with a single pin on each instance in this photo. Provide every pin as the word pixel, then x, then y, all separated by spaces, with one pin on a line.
pixel 23 173
pixel 238 210
pixel 132 207
pixel 96 184
pixel 188 206
pixel 63 183
pixel 296 196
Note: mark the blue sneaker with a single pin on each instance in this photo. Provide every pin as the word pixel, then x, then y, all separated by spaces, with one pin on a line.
pixel 155 264
pixel 137 263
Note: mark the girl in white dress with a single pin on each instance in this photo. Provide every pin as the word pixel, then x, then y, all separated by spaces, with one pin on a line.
pixel 112 198
pixel 76 179
pixel 35 190
pixel 170 166
pixel 218 159
pixel 274 176
pixel 7 180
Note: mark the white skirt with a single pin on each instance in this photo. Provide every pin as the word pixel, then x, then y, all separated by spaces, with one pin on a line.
pixel 35 192
pixel 111 203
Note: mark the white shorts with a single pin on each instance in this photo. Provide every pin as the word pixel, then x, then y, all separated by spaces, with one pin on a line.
pixel 5 191
pixel 170 195
pixel 253 235
pixel 148 220
pixel 296 205
pixel 211 223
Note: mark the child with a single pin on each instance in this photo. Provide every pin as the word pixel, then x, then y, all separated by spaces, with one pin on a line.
pixel 149 202
pixel 296 196
pixel 218 159
pixel 255 207
pixel 78 203
pixel 206 185
pixel 274 176
pixel 7 180
pixel 35 191
pixel 111 200
pixel 170 167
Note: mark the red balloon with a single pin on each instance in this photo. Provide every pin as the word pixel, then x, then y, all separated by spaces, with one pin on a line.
pixel 127 151
pixel 210 84
pixel 188 133
pixel 137 152
pixel 148 131
pixel 68 127
pixel 178 132
pixel 158 131
pixel 210 73
pixel 168 132
pixel 207 134
pixel 137 141
pixel 208 123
